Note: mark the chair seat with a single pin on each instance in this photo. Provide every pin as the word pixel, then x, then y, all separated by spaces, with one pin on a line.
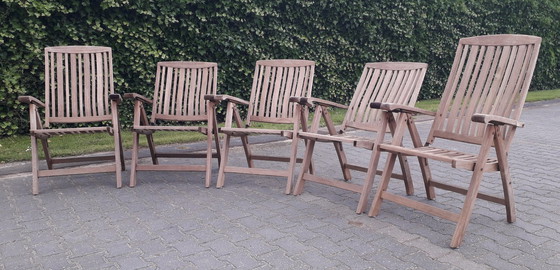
pixel 43 133
pixel 346 138
pixel 457 159
pixel 248 131
pixel 152 129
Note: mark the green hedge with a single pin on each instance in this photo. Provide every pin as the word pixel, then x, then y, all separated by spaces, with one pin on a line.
pixel 339 35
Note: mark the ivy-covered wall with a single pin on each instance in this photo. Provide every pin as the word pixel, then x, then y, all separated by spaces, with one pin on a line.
pixel 340 35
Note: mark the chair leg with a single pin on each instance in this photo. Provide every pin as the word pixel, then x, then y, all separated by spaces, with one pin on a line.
pixel 466 212
pixel 508 195
pixel 152 147
pixel 118 158
pixel 34 166
pixel 292 165
pixel 208 178
pixel 247 149
pixel 383 184
pixel 121 150
pixel 298 189
pixel 427 177
pixel 474 185
pixel 408 185
pixel 225 153
pixel 342 160
pixel 503 164
pixel 218 146
pixel 368 181
pixel 134 161
pixel 48 158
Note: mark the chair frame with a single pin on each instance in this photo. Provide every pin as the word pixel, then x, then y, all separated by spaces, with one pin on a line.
pixel 274 82
pixel 394 82
pixel 487 71
pixel 179 93
pixel 78 89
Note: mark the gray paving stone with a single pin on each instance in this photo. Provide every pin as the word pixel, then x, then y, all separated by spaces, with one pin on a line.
pixel 257 246
pixel 243 261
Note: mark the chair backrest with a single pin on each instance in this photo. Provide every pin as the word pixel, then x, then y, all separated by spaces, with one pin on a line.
pixel 78 81
pixel 180 88
pixel 490 75
pixel 388 82
pixel 274 82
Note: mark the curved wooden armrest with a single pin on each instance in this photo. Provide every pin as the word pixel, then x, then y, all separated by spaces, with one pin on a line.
pixel 226 98
pixel 30 99
pixel 495 120
pixel 316 101
pixel 138 97
pixel 393 107
pixel 116 97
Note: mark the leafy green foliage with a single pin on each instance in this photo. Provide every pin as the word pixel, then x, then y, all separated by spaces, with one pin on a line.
pixel 339 35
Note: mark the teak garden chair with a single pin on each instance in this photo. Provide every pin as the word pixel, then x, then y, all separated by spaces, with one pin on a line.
pixel 481 106
pixel 78 89
pixel 389 82
pixel 274 82
pixel 178 100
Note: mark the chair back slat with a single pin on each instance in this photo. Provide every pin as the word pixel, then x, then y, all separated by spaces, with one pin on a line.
pixel 78 81
pixel 490 75
pixel 388 82
pixel 274 81
pixel 180 88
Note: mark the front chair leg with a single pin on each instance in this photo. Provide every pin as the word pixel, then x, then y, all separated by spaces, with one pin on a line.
pixel 119 161
pixel 466 212
pixel 225 153
pixel 208 178
pixel 291 165
pixel 134 161
pixel 383 184
pixel 298 189
pixel 34 166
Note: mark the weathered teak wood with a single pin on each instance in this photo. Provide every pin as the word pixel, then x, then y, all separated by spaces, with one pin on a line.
pixel 178 105
pixel 78 89
pixel 274 82
pixel 481 105
pixel 389 82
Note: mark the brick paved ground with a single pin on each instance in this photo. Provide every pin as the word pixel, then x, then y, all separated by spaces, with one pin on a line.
pixel 170 221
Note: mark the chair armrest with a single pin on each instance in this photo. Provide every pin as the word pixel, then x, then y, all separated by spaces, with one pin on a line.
pixel 301 100
pixel 116 97
pixel 138 97
pixel 495 120
pixel 316 101
pixel 393 107
pixel 30 99
pixel 226 98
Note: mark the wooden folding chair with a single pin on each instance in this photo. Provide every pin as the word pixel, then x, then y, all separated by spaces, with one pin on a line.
pixel 78 89
pixel 481 106
pixel 389 82
pixel 178 105
pixel 274 82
